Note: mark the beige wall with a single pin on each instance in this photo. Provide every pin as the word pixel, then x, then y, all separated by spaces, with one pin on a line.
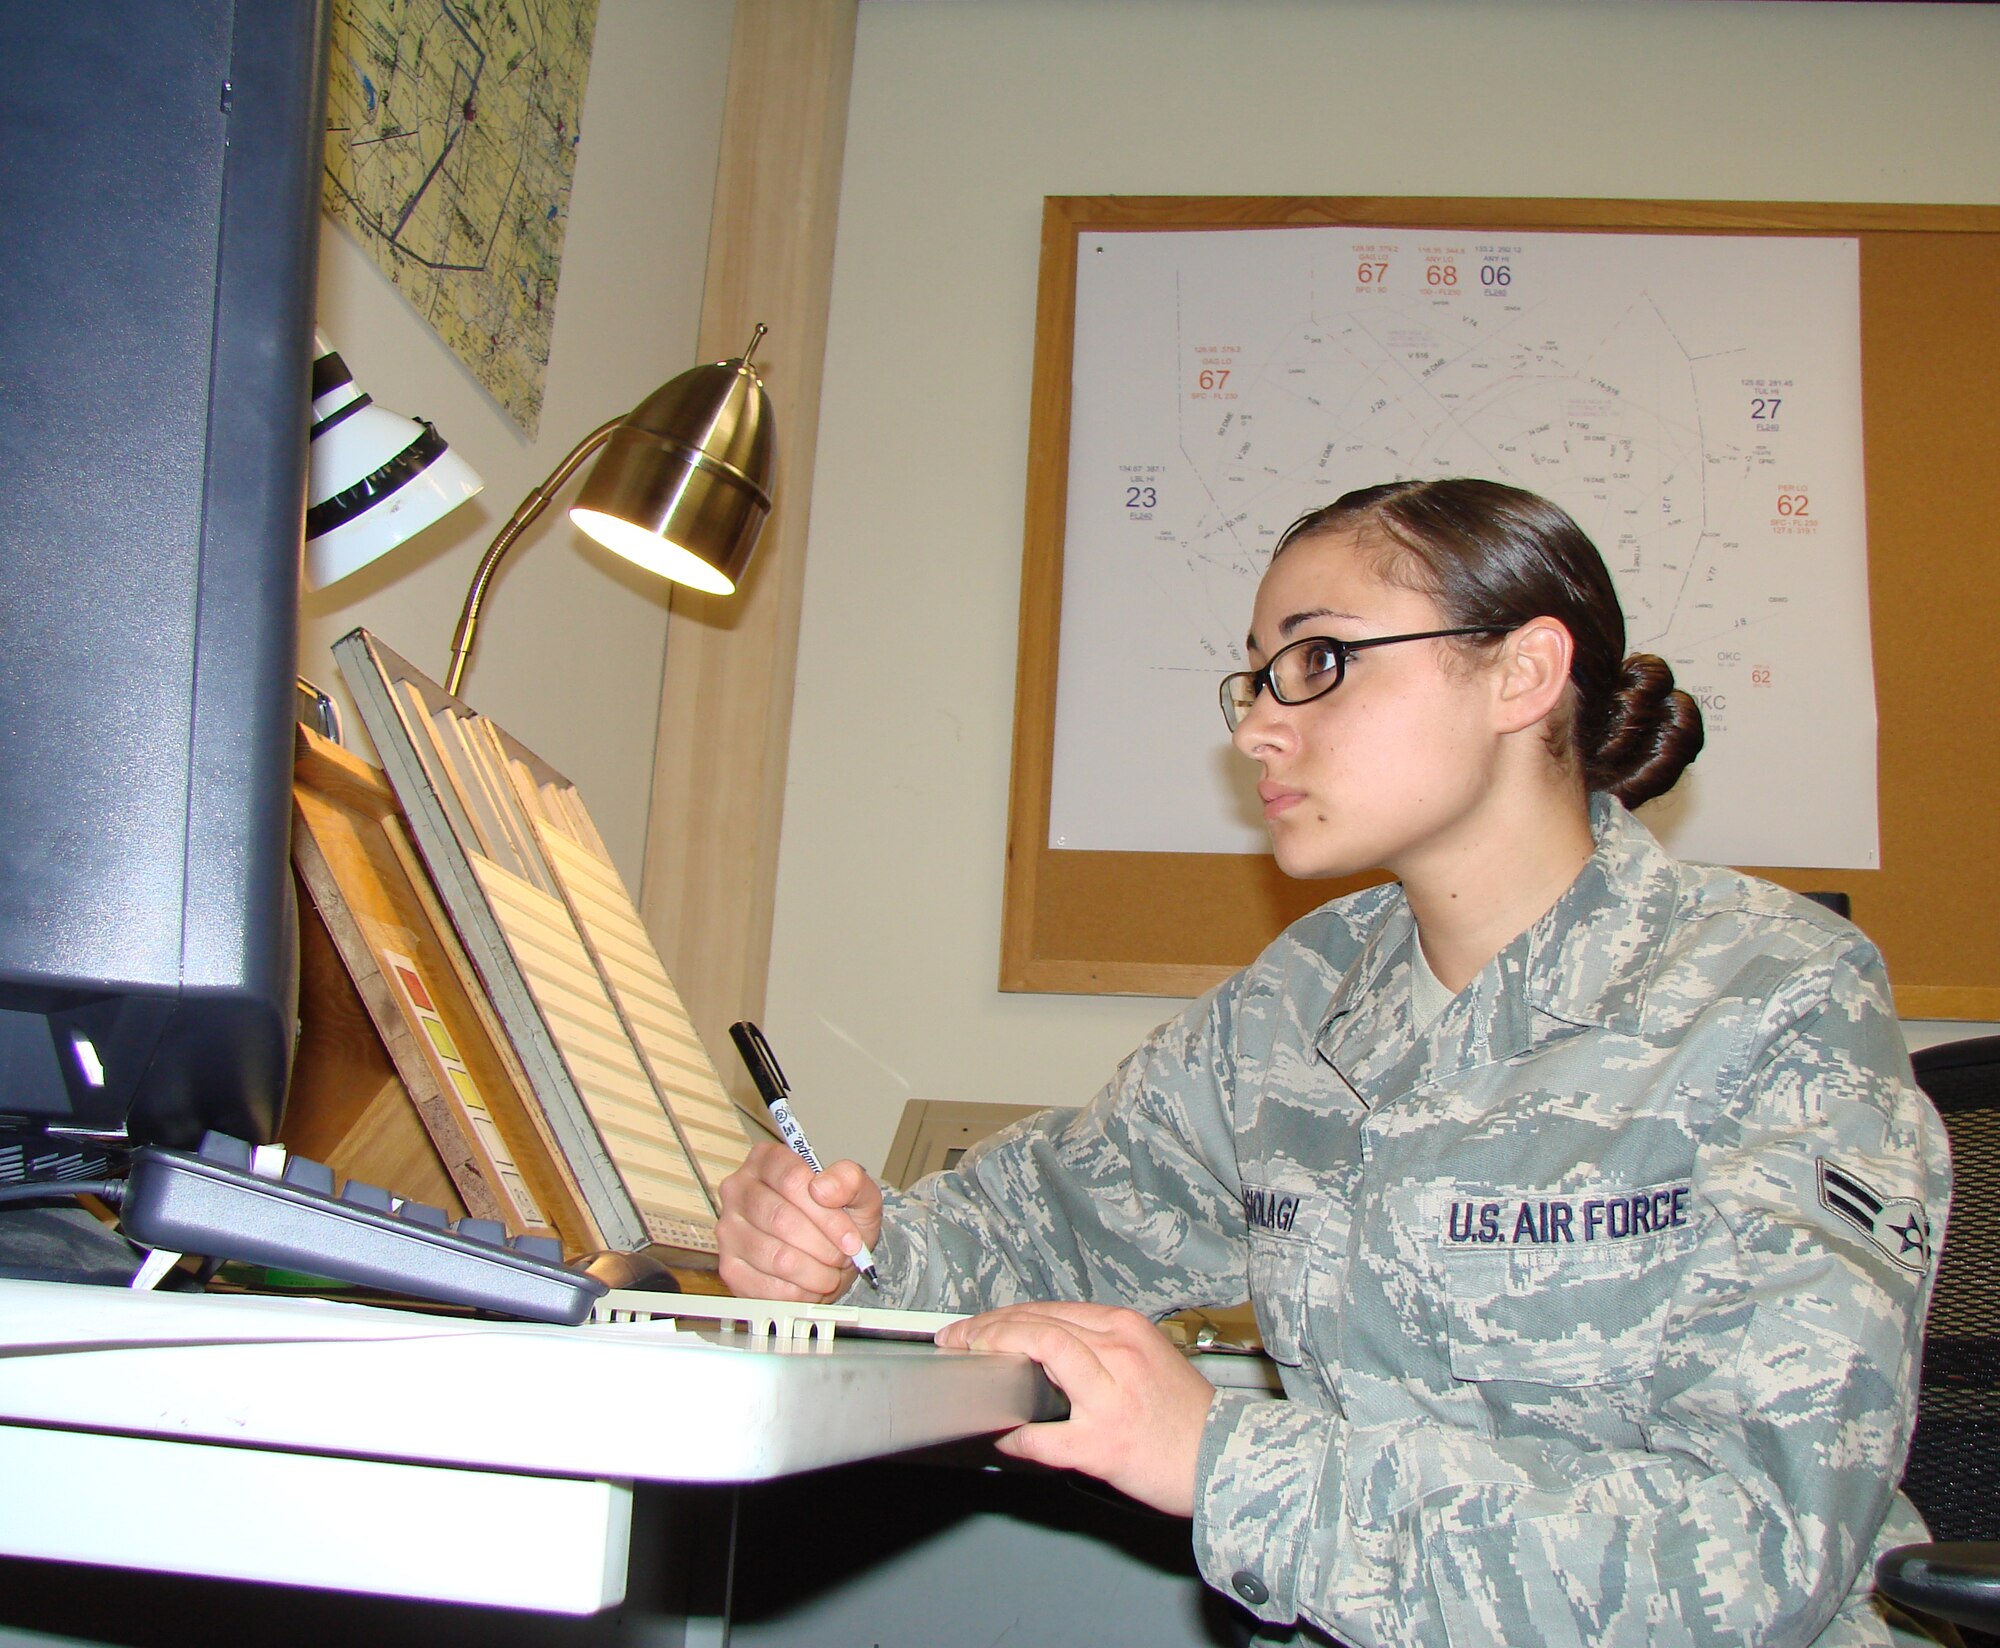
pixel 572 640
pixel 963 117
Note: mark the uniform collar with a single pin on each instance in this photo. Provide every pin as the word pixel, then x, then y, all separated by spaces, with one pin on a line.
pixel 1584 964
pixel 1590 958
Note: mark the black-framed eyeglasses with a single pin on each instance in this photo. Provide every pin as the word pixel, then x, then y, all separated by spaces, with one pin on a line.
pixel 1312 668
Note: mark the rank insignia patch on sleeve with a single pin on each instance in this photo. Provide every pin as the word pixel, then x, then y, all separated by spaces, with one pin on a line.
pixel 1897 1225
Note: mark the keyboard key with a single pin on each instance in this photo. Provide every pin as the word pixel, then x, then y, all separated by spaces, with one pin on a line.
pixel 373 1197
pixel 303 1173
pixel 226 1150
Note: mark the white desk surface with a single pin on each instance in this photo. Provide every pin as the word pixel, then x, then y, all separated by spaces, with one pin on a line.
pixel 309 1442
pixel 646 1400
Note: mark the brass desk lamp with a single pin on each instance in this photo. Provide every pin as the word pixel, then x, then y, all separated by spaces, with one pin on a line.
pixel 682 488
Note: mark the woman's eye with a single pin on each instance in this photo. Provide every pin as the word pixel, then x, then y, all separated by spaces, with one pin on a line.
pixel 1318 659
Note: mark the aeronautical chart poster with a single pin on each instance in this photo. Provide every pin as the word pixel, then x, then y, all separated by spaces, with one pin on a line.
pixel 451 140
pixel 1694 401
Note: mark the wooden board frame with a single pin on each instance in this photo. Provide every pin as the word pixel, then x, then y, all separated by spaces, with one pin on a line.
pixel 373 1094
pixel 1176 923
pixel 623 1083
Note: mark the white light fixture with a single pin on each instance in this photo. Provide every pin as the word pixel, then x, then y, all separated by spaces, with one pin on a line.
pixel 376 476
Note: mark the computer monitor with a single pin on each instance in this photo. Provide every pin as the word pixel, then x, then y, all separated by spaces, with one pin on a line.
pixel 158 224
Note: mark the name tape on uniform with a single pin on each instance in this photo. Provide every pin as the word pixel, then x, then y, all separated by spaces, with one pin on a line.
pixel 1549 1221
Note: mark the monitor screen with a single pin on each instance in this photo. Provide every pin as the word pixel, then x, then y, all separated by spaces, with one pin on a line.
pixel 156 279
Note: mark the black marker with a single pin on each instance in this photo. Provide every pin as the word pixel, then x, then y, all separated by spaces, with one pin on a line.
pixel 772 1088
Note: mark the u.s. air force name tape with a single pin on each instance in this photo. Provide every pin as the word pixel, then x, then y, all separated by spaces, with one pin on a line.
pixel 1573 1220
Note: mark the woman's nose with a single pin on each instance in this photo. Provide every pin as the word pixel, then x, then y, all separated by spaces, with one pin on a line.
pixel 1264 724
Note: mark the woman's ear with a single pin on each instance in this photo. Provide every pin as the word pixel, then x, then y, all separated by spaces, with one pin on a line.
pixel 1534 672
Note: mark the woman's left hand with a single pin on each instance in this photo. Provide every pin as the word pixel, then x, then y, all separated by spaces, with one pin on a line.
pixel 1136 1405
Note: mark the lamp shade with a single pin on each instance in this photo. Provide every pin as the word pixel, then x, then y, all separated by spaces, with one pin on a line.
pixel 682 486
pixel 376 477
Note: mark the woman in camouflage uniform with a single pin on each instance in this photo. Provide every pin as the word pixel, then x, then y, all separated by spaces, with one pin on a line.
pixel 1584 1196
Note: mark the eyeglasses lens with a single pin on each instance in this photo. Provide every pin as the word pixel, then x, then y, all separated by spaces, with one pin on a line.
pixel 1305 670
pixel 1297 674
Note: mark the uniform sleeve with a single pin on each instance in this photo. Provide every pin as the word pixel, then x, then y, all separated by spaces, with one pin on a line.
pixel 1765 1445
pixel 1132 1200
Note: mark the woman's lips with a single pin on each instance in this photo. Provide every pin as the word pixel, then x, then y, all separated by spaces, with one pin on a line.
pixel 1277 798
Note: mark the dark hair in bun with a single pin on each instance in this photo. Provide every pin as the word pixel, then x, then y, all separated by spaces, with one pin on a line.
pixel 1495 555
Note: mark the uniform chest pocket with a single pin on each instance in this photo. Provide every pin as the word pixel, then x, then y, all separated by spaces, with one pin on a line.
pixel 1567 1308
pixel 1286 1222
pixel 1277 1267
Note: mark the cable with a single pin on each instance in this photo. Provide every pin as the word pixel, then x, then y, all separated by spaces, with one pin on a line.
pixel 109 1191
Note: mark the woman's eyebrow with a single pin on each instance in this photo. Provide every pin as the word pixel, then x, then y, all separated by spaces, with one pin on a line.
pixel 1288 627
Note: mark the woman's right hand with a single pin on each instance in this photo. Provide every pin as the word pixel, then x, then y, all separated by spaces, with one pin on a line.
pixel 789 1233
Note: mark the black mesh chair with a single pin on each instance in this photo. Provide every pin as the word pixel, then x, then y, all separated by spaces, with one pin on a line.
pixel 1953 1475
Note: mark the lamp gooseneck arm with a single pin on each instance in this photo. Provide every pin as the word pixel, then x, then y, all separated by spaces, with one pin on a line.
pixel 489 563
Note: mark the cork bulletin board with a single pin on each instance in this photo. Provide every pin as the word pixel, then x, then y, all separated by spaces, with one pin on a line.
pixel 1167 923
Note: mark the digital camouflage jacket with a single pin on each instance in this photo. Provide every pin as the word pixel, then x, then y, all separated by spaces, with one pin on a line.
pixel 1597 1304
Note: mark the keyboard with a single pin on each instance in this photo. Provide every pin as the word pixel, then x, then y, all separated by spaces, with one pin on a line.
pixel 228 1200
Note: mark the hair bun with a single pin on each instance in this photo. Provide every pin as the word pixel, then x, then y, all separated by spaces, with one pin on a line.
pixel 1652 730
